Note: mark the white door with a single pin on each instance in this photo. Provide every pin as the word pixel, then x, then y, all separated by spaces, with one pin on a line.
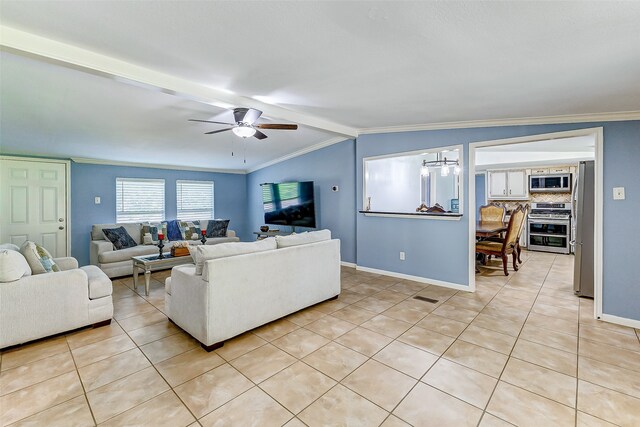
pixel 33 204
pixel 517 180
pixel 497 184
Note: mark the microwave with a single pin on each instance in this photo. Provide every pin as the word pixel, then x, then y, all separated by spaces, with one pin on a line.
pixel 550 183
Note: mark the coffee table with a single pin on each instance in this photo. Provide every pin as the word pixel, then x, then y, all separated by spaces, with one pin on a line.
pixel 148 263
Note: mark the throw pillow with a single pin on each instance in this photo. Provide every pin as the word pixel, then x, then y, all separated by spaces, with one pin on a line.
pixel 223 250
pixel 10 246
pixel 13 266
pixel 217 228
pixel 173 231
pixel 119 237
pixel 303 238
pixel 38 258
pixel 189 230
pixel 151 229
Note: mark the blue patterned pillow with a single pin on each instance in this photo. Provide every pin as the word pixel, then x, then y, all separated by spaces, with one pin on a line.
pixel 217 227
pixel 119 237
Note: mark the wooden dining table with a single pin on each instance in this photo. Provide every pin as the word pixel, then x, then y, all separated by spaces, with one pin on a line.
pixel 490 228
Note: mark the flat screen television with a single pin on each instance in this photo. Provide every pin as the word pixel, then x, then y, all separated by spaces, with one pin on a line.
pixel 289 203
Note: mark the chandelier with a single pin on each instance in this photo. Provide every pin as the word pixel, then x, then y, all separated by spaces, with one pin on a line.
pixel 444 165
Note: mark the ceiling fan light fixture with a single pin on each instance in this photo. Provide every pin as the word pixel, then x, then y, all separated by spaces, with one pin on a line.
pixel 244 131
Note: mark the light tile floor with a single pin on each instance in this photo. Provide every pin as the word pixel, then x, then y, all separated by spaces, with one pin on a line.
pixel 522 350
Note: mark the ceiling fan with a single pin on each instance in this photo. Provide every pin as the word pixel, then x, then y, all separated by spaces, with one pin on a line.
pixel 245 125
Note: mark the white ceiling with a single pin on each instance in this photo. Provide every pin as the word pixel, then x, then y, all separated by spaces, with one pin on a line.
pixel 57 111
pixel 360 64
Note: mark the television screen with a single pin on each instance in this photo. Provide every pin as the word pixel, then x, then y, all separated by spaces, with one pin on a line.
pixel 289 203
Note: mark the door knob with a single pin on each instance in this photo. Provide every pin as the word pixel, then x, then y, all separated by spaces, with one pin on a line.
pixel 60 219
pixel 61 228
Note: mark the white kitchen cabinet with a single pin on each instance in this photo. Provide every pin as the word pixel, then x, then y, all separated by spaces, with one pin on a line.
pixel 497 184
pixel 508 184
pixel 517 184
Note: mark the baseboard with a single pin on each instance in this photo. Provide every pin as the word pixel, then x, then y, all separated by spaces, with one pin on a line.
pixel 620 321
pixel 444 284
pixel 348 264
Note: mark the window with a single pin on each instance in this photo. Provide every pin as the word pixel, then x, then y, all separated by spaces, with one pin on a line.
pixel 139 199
pixel 195 200
pixel 403 182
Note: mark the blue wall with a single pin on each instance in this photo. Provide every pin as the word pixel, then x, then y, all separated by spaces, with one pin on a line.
pixel 480 192
pixel 88 181
pixel 333 165
pixel 439 249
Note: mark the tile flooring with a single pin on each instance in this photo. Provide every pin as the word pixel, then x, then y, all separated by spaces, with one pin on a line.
pixel 522 350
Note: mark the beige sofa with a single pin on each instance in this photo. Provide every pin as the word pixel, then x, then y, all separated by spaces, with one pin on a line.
pixel 239 291
pixel 116 263
pixel 41 305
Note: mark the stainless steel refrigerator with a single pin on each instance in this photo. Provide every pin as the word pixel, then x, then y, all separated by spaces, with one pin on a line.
pixel 584 221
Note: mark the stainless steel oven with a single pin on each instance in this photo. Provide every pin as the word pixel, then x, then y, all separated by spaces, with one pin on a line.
pixel 549 227
pixel 550 183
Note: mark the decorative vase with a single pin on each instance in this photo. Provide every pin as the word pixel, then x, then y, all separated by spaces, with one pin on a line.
pixel 264 228
pixel 204 236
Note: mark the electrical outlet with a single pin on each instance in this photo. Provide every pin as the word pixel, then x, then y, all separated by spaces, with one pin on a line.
pixel 401 256
pixel 618 193
pixel 96 200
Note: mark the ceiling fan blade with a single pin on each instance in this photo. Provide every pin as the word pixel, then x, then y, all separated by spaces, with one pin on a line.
pixel 209 121
pixel 280 126
pixel 259 135
pixel 217 131
pixel 246 115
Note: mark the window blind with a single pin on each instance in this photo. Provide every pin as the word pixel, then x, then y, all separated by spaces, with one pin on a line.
pixel 139 199
pixel 195 200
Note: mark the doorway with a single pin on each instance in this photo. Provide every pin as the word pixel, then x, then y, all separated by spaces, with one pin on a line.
pixel 34 203
pixel 507 147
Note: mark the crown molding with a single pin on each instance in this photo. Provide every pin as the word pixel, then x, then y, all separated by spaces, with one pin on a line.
pixel 298 153
pixel 154 166
pixel 545 120
pixel 31 45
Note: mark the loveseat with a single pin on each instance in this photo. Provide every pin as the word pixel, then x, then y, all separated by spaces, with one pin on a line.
pixel 39 305
pixel 116 263
pixel 246 285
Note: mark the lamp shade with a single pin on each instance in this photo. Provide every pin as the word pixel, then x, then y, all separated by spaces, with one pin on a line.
pixel 244 131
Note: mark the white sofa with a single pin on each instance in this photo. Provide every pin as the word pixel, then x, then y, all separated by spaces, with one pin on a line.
pixel 116 263
pixel 41 305
pixel 238 293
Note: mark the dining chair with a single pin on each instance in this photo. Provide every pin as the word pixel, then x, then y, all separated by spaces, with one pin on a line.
pixel 509 245
pixel 492 213
pixel 521 228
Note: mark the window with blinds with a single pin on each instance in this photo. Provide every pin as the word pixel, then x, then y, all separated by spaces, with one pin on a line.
pixel 195 200
pixel 139 199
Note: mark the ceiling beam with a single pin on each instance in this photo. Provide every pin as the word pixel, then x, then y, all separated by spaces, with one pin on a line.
pixel 28 44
